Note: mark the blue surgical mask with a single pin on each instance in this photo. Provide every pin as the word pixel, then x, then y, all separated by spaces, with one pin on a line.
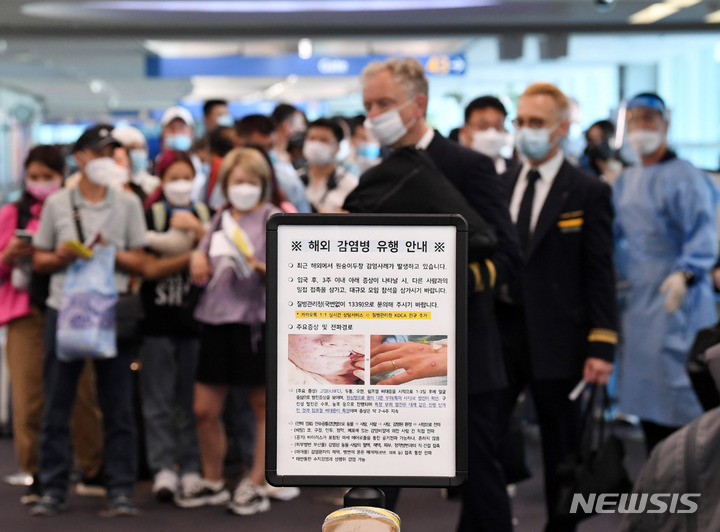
pixel 368 150
pixel 138 160
pixel 226 121
pixel 533 143
pixel 178 142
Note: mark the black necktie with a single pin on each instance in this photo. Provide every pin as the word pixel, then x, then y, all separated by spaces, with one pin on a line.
pixel 525 212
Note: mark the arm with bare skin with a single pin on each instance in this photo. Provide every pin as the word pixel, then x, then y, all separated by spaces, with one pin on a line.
pixel 417 359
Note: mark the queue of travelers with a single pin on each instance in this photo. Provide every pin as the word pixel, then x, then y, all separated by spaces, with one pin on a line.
pixel 548 242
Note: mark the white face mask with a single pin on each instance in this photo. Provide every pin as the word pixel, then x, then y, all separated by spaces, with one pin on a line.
pixel 645 141
pixel 244 196
pixel 488 142
pixel 388 127
pixel 119 177
pixel 101 171
pixel 178 192
pixel 318 153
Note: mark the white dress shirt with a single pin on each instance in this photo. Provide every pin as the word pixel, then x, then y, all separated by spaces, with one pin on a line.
pixel 426 139
pixel 548 170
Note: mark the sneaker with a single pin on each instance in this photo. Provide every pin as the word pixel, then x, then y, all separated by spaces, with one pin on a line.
pixel 165 485
pixel 282 493
pixel 18 479
pixel 249 499
pixel 202 493
pixel 47 506
pixel 122 505
pixel 188 481
pixel 33 493
pixel 92 486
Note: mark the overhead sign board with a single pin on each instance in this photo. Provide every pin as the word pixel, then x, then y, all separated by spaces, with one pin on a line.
pixel 284 65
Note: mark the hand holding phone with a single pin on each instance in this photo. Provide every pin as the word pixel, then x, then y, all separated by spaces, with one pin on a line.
pixel 24 235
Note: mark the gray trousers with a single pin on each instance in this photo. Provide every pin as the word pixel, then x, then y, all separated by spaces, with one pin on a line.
pixel 167 379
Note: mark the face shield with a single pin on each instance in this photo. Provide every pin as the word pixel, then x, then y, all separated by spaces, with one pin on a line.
pixel 642 125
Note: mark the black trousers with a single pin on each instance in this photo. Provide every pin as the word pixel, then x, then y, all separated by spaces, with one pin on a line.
pixel 558 417
pixel 485 504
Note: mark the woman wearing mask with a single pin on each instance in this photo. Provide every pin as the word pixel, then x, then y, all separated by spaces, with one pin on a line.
pixel 327 183
pixel 170 344
pixel 231 262
pixel 22 301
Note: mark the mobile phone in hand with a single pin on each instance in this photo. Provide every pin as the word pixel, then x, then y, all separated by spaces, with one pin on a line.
pixel 22 234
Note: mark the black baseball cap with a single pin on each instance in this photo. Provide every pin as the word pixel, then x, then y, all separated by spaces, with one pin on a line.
pixel 96 138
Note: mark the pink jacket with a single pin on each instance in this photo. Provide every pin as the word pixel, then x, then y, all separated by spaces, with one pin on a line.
pixel 14 303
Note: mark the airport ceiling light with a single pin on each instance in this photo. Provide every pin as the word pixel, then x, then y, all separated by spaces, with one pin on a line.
pixel 660 10
pixel 285 6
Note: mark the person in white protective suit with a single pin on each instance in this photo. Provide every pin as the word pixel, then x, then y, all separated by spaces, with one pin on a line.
pixel 665 225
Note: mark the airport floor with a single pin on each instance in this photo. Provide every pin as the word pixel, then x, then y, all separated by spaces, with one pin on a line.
pixel 421 510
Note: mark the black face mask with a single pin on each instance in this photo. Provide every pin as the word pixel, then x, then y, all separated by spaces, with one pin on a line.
pixel 601 152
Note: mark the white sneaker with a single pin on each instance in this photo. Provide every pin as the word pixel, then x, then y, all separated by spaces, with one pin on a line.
pixel 249 499
pixel 203 493
pixel 189 481
pixel 165 485
pixel 282 493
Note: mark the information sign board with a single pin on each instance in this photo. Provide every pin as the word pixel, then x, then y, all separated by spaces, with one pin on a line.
pixel 366 350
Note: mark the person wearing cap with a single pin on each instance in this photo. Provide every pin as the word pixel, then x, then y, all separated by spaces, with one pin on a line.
pixel 177 134
pixel 665 221
pixel 91 202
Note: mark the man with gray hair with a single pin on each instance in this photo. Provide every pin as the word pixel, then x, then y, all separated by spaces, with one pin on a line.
pixel 395 96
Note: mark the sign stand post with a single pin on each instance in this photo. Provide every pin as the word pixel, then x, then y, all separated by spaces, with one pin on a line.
pixel 364 497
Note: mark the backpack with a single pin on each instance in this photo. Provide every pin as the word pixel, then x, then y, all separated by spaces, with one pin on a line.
pixel 685 463
pixel 160 214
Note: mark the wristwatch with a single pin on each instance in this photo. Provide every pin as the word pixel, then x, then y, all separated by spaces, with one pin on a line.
pixel 689 277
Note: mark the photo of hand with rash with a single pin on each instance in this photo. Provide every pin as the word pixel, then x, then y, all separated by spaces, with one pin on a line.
pixel 399 359
pixel 326 359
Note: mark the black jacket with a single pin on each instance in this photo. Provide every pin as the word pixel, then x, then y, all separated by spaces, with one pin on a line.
pixel 567 282
pixel 408 181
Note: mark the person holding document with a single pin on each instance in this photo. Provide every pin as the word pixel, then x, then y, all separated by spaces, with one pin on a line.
pixel 230 262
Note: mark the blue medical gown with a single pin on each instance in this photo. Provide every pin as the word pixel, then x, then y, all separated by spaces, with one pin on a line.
pixel 664 222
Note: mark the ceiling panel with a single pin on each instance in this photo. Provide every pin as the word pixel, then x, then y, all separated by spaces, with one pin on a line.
pixel 84 61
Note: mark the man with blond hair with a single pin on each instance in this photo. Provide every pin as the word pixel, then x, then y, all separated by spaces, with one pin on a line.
pixel 395 96
pixel 559 318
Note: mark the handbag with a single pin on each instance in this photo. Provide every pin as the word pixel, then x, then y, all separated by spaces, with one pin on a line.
pixel 698 370
pixel 86 319
pixel 128 318
pixel 593 468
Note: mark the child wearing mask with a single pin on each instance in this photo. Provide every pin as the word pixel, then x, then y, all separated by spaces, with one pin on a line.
pixel 231 262
pixel 170 345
